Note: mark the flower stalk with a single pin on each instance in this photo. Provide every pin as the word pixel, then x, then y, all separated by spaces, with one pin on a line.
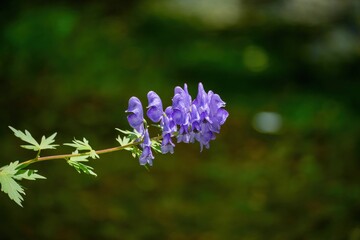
pixel 187 120
pixel 67 156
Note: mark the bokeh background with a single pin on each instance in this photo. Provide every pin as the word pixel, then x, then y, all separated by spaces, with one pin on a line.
pixel 285 166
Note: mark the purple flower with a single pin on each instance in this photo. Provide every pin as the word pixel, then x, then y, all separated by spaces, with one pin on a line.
pixel 181 112
pixel 202 103
pixel 155 110
pixel 218 115
pixel 205 136
pixel 167 145
pixel 209 108
pixel 146 156
pixel 198 120
pixel 195 123
pixel 182 97
pixel 136 116
pixel 195 119
pixel 168 128
pixel 172 124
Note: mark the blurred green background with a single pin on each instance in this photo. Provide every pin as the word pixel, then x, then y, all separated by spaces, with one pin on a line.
pixel 285 166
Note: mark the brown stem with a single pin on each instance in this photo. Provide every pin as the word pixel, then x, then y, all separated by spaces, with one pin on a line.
pixel 64 156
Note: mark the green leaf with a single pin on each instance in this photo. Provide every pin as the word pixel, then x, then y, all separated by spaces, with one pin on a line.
pixel 93 154
pixel 131 135
pixel 46 143
pixel 28 175
pixel 9 185
pixel 136 152
pixel 79 145
pixel 124 141
pixel 10 173
pixel 76 162
pixel 83 146
pixel 156 146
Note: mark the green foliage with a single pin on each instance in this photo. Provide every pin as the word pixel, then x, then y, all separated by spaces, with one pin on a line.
pixel 46 143
pixel 74 62
pixel 156 145
pixel 76 162
pixel 15 170
pixel 87 151
pixel 83 146
pixel 77 159
pixel 130 138
pixel 10 173
pixel 124 141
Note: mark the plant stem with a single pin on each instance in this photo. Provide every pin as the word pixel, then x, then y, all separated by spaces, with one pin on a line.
pixel 102 151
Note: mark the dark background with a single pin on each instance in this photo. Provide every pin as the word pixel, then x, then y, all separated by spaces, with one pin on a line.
pixel 71 66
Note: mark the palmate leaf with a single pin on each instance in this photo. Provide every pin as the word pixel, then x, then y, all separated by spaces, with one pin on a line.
pixel 76 162
pixel 46 143
pixel 131 135
pixel 156 146
pixel 10 173
pixel 79 145
pixel 124 141
pixel 28 175
pixel 83 146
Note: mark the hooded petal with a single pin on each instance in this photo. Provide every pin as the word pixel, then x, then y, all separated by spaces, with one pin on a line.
pixel 136 116
pixel 146 156
pixel 155 110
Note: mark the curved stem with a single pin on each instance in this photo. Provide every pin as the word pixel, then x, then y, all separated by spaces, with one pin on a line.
pixel 102 151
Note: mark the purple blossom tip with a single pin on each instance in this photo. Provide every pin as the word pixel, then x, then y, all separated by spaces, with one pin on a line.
pixel 136 116
pixel 155 110
pixel 189 120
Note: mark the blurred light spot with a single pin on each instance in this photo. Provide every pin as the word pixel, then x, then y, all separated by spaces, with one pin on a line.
pixel 337 45
pixel 255 59
pixel 312 11
pixel 267 122
pixel 212 12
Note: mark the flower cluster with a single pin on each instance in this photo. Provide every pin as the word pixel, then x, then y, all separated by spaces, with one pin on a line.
pixel 186 119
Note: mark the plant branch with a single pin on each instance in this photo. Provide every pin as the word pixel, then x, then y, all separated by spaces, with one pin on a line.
pixel 102 151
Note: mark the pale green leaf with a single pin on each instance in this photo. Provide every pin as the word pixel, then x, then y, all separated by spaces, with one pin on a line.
pixel 83 146
pixel 12 188
pixel 26 137
pixel 124 141
pixel 28 175
pixel 80 167
pixel 132 135
pixel 46 143
pixel 80 145
pixel 10 173
pixel 156 146
pixel 93 154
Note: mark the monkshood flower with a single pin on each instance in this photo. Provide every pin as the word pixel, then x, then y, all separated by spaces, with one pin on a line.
pixel 186 119
pixel 136 120
pixel 136 116
pixel 212 115
pixel 168 130
pixel 181 112
pixel 146 156
pixel 156 114
pixel 155 109
pixel 217 115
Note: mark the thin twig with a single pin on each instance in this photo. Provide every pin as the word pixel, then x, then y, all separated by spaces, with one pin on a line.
pixel 102 151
